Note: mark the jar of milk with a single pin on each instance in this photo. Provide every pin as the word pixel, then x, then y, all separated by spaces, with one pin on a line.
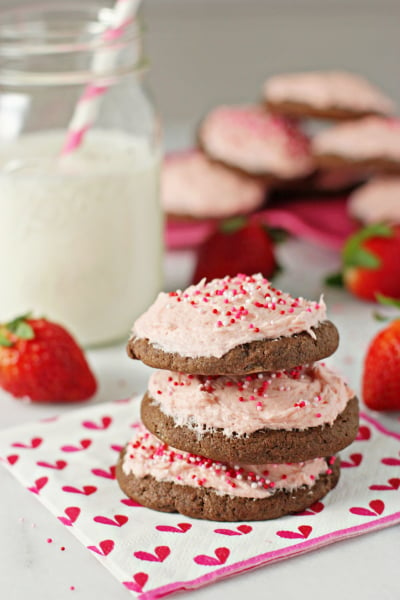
pixel 81 228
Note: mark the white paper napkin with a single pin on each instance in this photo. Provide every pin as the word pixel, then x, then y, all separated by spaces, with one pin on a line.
pixel 68 463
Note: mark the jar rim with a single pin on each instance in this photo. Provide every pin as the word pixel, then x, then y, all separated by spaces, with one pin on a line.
pixel 53 28
pixel 56 44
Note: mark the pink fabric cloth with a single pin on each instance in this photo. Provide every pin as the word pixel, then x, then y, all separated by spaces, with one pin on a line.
pixel 323 221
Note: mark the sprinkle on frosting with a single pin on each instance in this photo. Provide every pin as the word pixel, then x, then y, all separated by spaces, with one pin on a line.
pixel 299 398
pixel 249 138
pixel 147 455
pixel 211 318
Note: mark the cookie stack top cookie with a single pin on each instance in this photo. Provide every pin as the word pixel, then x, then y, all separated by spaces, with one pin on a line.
pixel 236 325
pixel 237 393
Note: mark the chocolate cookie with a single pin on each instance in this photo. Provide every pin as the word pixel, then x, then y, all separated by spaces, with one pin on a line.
pixel 372 165
pixel 261 446
pixel 256 142
pixel 239 325
pixel 195 187
pixel 337 95
pixel 201 502
pixel 253 357
pixel 323 185
pixel 376 202
pixel 301 110
pixel 372 143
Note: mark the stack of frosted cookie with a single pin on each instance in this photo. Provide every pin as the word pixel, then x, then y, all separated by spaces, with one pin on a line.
pixel 362 142
pixel 242 151
pixel 240 421
pixel 249 153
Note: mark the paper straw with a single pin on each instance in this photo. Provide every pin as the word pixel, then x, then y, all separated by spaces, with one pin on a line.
pixel 88 105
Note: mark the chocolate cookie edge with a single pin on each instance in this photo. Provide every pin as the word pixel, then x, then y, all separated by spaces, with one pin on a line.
pixel 275 354
pixel 295 109
pixel 258 447
pixel 204 503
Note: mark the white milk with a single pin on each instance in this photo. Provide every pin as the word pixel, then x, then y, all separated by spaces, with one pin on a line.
pixel 81 237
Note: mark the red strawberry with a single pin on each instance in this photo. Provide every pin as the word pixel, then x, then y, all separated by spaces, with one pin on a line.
pixel 236 247
pixel 381 377
pixel 40 360
pixel 371 260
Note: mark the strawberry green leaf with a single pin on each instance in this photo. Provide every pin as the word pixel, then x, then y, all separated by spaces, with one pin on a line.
pixel 364 259
pixel 4 341
pixel 374 230
pixel 380 317
pixel 387 301
pixel 277 234
pixel 354 255
pixel 334 280
pixel 24 331
pixel 21 328
pixel 232 225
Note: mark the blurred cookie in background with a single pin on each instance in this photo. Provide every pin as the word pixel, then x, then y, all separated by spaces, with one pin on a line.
pixel 256 142
pixel 378 201
pixel 195 187
pixel 371 143
pixel 337 95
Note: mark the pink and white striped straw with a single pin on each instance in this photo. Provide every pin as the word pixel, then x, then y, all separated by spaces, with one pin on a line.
pixel 88 105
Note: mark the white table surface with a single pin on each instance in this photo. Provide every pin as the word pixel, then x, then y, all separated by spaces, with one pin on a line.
pixel 364 568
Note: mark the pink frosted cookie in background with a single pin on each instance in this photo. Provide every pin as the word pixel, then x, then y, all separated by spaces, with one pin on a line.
pixel 164 478
pixel 326 95
pixel 370 143
pixel 377 201
pixel 252 140
pixel 195 187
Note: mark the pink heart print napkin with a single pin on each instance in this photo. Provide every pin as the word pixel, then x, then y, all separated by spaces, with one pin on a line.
pixel 68 464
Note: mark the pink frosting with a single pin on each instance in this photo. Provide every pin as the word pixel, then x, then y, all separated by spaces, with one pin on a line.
pixel 251 139
pixel 376 201
pixel 193 185
pixel 297 399
pixel 211 318
pixel 146 455
pixel 328 89
pixel 368 138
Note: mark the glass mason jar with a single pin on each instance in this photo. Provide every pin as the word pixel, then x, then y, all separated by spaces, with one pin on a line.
pixel 81 231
